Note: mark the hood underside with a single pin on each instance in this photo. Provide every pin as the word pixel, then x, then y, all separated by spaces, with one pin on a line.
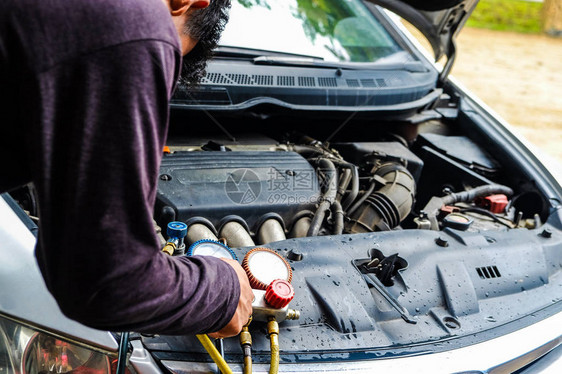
pixel 439 21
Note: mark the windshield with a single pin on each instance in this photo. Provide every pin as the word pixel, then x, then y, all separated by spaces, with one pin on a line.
pixel 334 30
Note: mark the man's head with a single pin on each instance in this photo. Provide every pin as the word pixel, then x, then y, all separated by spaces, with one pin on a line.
pixel 199 24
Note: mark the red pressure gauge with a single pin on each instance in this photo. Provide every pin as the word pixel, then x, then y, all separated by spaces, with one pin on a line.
pixel 263 266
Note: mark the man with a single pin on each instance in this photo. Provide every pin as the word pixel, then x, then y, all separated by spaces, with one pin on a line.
pixel 84 91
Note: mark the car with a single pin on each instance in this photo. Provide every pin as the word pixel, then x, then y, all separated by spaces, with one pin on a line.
pixel 344 168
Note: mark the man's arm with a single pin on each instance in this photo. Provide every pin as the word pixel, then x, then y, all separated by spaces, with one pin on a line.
pixel 97 145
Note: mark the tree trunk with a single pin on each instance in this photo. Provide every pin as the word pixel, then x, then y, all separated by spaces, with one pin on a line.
pixel 552 17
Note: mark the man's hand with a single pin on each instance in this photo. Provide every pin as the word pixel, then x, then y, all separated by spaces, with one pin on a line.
pixel 244 309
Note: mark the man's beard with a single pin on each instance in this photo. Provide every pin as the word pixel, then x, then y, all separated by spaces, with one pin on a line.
pixel 206 26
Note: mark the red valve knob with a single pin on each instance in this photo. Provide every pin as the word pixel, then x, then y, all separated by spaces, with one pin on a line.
pixel 279 293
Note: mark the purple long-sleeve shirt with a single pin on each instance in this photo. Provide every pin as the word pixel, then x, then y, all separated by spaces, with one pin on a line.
pixel 84 91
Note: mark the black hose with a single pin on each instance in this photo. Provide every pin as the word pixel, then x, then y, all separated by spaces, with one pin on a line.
pixel 436 202
pixel 337 213
pixel 486 213
pixel 122 354
pixel 354 181
pixel 331 178
pixel 318 219
pixel 470 195
pixel 344 182
pixel 309 149
pixel 354 187
pixel 362 199
pixel 329 196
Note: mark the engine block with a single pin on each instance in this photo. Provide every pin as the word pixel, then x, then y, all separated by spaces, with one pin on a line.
pixel 249 184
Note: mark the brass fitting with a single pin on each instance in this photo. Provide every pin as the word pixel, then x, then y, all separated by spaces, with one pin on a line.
pixel 293 314
pixel 272 326
pixel 246 344
pixel 245 337
pixel 169 248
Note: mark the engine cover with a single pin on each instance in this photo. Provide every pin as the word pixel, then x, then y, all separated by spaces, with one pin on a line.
pixel 249 184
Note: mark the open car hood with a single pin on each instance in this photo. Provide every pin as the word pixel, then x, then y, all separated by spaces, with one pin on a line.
pixel 438 20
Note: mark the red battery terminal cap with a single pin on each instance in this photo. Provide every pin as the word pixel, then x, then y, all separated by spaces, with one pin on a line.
pixel 279 293
pixel 494 203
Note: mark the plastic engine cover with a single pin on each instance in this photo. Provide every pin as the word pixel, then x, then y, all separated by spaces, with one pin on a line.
pixel 249 184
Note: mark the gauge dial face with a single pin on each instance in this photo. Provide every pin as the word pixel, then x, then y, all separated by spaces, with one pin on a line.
pixel 263 266
pixel 211 248
pixel 267 267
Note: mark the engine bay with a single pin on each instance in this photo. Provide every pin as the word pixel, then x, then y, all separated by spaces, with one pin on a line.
pixel 396 236
pixel 261 190
pixel 404 238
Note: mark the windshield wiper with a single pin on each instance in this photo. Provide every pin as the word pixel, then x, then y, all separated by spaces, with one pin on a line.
pixel 383 64
pixel 397 61
pixel 249 53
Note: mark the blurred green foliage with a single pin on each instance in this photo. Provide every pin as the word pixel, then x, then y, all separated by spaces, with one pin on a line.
pixel 507 15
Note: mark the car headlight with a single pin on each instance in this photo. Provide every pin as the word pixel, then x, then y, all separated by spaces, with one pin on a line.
pixel 24 350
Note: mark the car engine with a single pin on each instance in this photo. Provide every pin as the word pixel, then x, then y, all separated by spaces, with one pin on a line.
pixel 258 190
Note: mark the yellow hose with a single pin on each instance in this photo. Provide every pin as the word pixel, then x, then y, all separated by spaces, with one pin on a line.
pixel 247 365
pixel 273 331
pixel 214 353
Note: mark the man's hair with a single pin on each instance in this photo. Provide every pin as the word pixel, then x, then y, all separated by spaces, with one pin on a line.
pixel 206 26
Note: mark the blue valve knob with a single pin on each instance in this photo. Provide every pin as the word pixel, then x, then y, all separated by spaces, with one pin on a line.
pixel 176 230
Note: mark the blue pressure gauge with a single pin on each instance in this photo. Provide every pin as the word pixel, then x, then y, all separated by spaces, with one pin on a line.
pixel 208 247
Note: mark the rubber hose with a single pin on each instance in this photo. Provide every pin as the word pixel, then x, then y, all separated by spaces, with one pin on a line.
pixel 274 343
pixel 308 149
pixel 247 365
pixel 354 187
pixel 273 331
pixel 328 198
pixel 344 182
pixel 337 213
pixel 470 195
pixel 122 358
pixel 362 198
pixel 214 353
pixel 318 219
pixel 329 169
pixel 354 181
pixel 303 149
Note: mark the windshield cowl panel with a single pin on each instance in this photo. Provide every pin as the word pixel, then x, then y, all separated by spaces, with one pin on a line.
pixel 236 85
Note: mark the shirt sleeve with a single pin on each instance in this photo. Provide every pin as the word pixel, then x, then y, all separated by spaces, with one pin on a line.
pixel 96 145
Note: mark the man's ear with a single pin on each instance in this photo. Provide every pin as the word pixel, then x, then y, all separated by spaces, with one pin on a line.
pixel 180 7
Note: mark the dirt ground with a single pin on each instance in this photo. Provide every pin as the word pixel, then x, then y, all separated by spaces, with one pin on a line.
pixel 520 77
